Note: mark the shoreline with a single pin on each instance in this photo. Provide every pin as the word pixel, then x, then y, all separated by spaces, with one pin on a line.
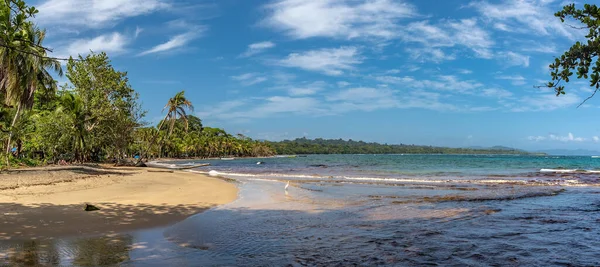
pixel 42 203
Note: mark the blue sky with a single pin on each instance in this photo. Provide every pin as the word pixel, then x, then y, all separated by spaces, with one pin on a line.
pixel 451 73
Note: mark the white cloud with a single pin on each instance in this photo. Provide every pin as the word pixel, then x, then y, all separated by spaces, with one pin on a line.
pixel 221 108
pixel 596 139
pixel 94 13
pixel 248 79
pixel 113 43
pixel 465 71
pixel 429 54
pixel 328 61
pixel 276 105
pixel 496 92
pixel 175 42
pixel 513 59
pixel 343 84
pixel 469 34
pixel 442 82
pixel 363 99
pixel 138 31
pixel 546 48
pixel 446 34
pixel 353 99
pixel 514 79
pixel 531 17
pixel 306 89
pixel 257 48
pixel 345 19
pixel 552 137
pixel 544 102
pixel 536 138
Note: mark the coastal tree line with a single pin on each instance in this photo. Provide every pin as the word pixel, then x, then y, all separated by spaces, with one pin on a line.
pixel 340 146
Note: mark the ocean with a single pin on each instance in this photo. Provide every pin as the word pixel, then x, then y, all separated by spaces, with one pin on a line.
pixel 377 210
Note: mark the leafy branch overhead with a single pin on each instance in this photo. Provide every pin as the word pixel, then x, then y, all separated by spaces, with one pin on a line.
pixel 582 57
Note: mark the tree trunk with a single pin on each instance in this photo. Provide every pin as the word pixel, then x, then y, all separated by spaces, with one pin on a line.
pixel 10 133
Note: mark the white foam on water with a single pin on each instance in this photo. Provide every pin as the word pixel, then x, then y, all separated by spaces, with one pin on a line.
pixel 273 177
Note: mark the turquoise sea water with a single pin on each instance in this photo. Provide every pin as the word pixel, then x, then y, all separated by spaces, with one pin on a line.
pixel 578 169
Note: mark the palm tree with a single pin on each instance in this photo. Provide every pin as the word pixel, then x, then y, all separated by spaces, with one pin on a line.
pixel 81 119
pixel 176 108
pixel 24 71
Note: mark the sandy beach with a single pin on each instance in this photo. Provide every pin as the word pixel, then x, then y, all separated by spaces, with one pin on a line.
pixel 50 202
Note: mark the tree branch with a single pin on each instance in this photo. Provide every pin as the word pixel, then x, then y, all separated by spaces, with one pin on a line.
pixel 589 97
pixel 33 54
pixel 577 28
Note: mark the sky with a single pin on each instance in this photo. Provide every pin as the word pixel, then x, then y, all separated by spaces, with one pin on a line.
pixel 445 73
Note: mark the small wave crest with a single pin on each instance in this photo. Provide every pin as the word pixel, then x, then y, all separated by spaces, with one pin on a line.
pixel 568 171
pixel 394 180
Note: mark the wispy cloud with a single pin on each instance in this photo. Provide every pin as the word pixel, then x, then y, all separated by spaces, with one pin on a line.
pixel 344 19
pixel 138 31
pixel 257 48
pixel 113 43
pixel 94 13
pixel 174 42
pixel 429 54
pixel 544 102
pixel 362 98
pixel 531 17
pixel 510 58
pixel 305 88
pixel 447 34
pixel 311 101
pixel 248 79
pixel 514 79
pixel 568 138
pixel 330 61
pixel 343 84
pixel 448 83
pixel 496 92
pixel 273 106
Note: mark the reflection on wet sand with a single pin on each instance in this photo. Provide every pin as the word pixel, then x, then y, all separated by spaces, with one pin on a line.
pixel 88 251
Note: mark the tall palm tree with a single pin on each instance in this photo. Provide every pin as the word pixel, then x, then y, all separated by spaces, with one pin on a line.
pixel 176 108
pixel 24 71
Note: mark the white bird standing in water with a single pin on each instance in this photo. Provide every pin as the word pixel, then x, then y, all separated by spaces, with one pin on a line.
pixel 287 185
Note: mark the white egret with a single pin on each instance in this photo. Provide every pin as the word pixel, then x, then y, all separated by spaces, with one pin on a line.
pixel 287 185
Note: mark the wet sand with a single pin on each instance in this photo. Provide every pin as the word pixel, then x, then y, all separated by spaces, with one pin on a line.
pixel 49 202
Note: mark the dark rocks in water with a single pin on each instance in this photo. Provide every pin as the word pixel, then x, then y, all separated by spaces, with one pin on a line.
pixel 318 165
pixel 89 207
pixel 140 164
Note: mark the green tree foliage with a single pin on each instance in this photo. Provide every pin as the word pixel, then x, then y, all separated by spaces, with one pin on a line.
pixel 188 138
pixel 23 71
pixel 111 105
pixel 582 57
pixel 176 108
pixel 339 146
